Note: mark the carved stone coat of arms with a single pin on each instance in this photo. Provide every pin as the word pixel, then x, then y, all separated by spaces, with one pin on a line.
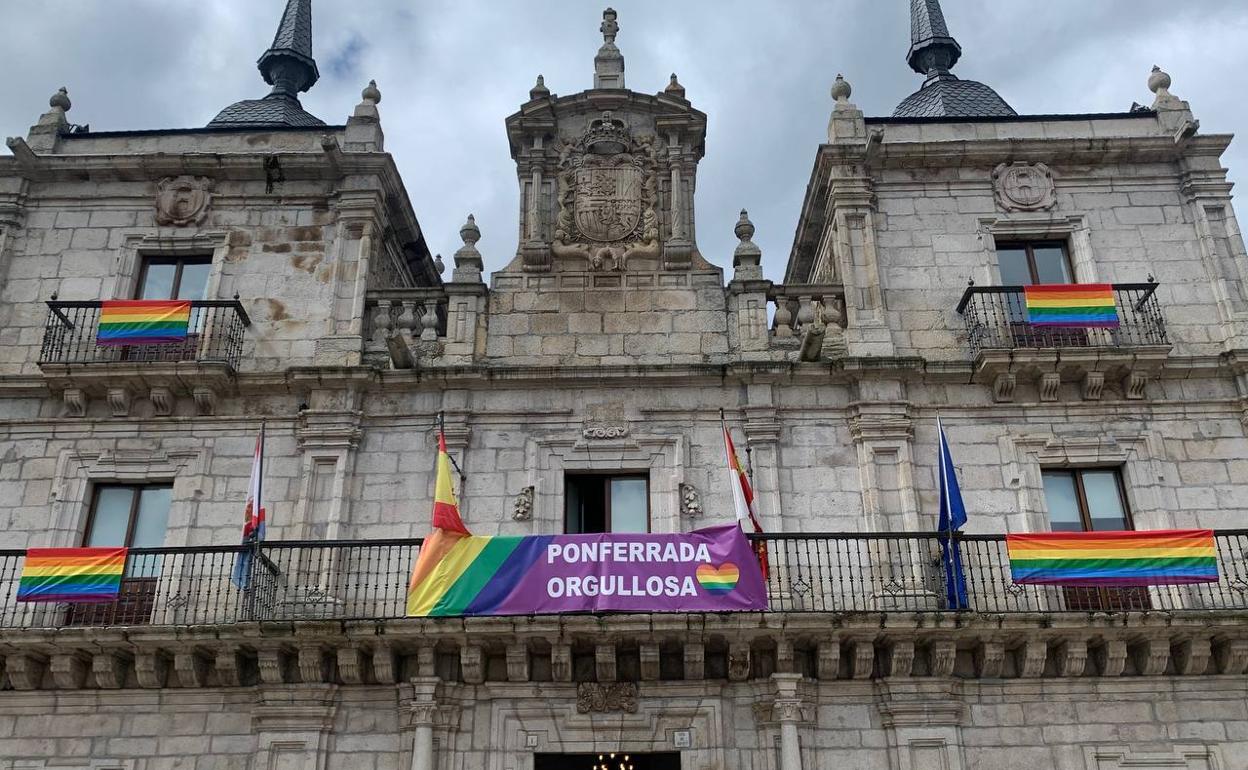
pixel 183 200
pixel 607 196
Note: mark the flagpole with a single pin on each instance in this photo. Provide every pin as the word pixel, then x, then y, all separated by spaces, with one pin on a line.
pixel 442 432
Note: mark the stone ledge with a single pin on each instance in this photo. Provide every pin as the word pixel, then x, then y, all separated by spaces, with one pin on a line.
pixel 694 647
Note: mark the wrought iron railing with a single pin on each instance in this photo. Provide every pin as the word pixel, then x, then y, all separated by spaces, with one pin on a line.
pixel 367 579
pixel 214 334
pixel 996 319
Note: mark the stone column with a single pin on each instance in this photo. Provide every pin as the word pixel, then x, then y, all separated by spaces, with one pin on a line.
pixel 422 739
pixel 419 706
pixel 787 710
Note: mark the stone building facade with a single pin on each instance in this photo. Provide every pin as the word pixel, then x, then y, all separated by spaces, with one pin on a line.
pixel 604 351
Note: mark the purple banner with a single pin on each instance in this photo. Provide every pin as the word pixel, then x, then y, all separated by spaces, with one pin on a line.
pixel 710 570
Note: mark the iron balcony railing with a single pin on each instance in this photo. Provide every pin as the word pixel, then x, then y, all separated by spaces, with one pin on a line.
pixel 996 319
pixel 367 580
pixel 214 334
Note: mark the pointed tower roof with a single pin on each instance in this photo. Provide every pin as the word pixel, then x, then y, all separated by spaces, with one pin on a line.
pixel 288 66
pixel 293 41
pixel 933 52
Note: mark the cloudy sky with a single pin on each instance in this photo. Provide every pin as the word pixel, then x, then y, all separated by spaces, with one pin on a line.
pixel 450 71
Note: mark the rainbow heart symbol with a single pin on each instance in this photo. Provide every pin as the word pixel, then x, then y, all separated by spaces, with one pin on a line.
pixel 719 580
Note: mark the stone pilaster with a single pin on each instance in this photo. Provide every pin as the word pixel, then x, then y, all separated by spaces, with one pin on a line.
pixel 293 724
pixel 422 710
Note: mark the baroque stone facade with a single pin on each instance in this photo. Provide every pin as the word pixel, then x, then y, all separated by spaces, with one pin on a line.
pixel 608 346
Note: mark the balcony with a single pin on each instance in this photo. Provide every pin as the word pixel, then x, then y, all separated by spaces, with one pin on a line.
pixel 851 606
pixel 819 573
pixel 199 367
pixel 1006 350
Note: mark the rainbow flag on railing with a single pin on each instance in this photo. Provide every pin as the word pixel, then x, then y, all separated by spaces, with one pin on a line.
pixel 1158 557
pixel 72 574
pixel 143 321
pixel 1074 304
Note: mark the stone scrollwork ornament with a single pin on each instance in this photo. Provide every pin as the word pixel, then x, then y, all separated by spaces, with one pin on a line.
pixel 597 697
pixel 690 501
pixel 600 431
pixel 183 200
pixel 607 193
pixel 522 507
pixel 1022 186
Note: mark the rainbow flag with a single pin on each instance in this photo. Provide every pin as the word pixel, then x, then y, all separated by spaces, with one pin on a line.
pixel 450 550
pixel 143 321
pixel 72 574
pixel 1158 557
pixel 1074 304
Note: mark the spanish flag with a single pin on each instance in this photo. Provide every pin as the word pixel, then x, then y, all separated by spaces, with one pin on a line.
pixel 743 496
pixel 448 530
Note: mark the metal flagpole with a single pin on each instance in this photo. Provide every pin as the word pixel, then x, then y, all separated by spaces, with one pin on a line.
pixel 458 470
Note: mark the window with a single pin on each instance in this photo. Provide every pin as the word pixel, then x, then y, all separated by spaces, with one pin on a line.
pixel 174 278
pixel 135 516
pixel 1091 500
pixel 1025 263
pixel 132 516
pixel 606 503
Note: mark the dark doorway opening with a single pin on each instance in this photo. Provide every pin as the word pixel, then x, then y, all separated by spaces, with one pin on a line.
pixel 620 760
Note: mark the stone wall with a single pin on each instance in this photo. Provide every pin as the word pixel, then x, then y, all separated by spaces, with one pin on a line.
pixel 1066 725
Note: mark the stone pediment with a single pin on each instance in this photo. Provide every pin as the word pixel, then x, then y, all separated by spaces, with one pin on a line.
pixel 607 179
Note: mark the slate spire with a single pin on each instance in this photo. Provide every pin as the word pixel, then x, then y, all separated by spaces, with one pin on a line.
pixel 288 65
pixel 933 51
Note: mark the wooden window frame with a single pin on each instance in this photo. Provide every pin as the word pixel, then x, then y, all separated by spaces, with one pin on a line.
pixel 1101 598
pixel 178 262
pixel 606 478
pixel 1029 248
pixel 1081 496
pixel 134 507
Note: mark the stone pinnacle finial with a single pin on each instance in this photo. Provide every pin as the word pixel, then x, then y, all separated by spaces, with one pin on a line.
pixel 609 63
pixel 438 264
pixel 470 233
pixel 371 93
pixel 674 88
pixel 1159 84
pixel 468 261
pixel 841 90
pixel 609 27
pixel 60 100
pixel 539 89
pixel 747 257
pixel 1159 81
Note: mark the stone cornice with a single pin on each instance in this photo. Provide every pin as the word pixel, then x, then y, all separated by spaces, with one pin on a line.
pixel 296 654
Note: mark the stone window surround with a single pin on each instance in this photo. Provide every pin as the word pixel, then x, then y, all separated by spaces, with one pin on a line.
pixel 1071 228
pixel 1025 457
pixel 1179 757
pixel 137 246
pixel 79 472
pixel 663 458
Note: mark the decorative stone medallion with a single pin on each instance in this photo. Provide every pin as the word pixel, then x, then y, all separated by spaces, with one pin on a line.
pixel 183 200
pixel 1022 186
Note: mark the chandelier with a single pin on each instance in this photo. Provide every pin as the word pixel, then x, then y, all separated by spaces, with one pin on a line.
pixel 611 762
